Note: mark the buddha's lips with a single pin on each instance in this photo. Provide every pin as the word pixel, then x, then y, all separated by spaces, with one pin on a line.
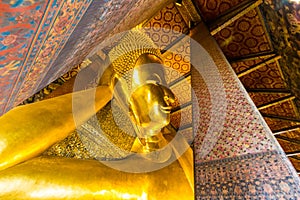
pixel 166 109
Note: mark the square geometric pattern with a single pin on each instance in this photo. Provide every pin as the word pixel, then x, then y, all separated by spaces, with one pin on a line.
pixel 253 176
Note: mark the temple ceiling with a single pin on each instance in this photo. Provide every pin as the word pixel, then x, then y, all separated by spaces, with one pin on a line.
pixel 262 46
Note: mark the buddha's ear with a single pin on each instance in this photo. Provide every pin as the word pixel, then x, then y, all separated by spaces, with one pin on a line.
pixel 131 114
pixel 108 77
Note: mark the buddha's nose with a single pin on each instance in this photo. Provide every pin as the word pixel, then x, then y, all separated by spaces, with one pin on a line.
pixel 169 96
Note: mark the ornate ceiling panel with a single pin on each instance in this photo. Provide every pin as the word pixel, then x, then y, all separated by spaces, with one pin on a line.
pixel 268 76
pixel 285 109
pixel 295 161
pixel 277 124
pixel 292 134
pixel 262 98
pixel 282 18
pixel 178 62
pixel 246 36
pixel 212 9
pixel 167 26
pixel 182 91
pixel 243 65
pixel 288 146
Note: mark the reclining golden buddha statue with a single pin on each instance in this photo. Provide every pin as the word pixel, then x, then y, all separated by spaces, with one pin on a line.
pixel 140 91
pixel 133 84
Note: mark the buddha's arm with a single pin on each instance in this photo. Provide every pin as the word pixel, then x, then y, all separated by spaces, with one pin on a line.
pixel 26 131
pixel 62 178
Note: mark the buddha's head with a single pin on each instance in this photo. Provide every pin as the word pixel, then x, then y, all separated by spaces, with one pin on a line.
pixel 150 100
pixel 142 89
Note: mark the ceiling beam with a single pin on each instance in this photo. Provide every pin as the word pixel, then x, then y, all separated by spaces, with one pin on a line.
pixel 268 90
pixel 276 102
pixel 258 65
pixel 293 153
pixel 188 12
pixel 256 56
pixel 294 157
pixel 178 80
pixel 290 119
pixel 286 130
pixel 178 2
pixel 290 140
pixel 174 44
pixel 232 15
pixel 180 107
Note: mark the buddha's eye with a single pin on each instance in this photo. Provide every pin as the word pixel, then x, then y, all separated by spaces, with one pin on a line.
pixel 155 79
pixel 152 82
pixel 166 97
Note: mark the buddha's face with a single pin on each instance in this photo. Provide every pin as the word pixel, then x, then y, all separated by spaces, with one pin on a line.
pixel 150 108
pixel 149 99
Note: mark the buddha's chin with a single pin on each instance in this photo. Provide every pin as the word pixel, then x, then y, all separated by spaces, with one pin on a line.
pixel 153 148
